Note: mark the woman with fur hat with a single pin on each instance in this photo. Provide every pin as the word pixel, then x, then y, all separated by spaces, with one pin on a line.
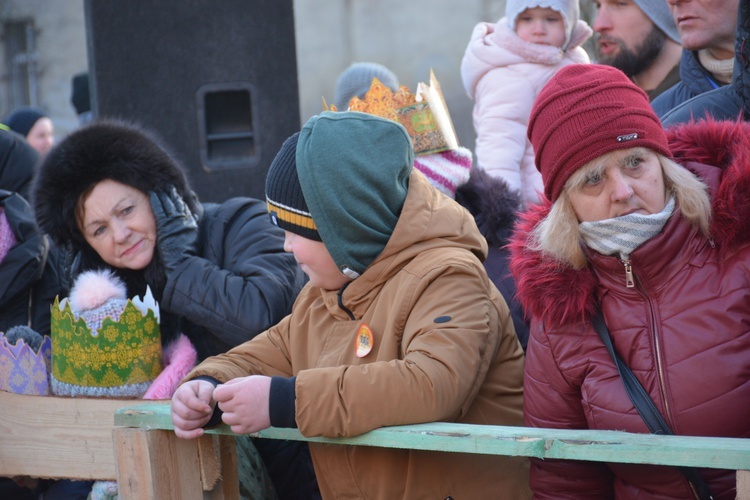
pixel 119 200
pixel 651 228
pixel 503 69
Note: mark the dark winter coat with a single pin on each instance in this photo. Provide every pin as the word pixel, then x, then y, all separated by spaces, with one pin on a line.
pixel 730 102
pixel 241 283
pixel 28 278
pixel 494 207
pixel 684 330
pixel 694 80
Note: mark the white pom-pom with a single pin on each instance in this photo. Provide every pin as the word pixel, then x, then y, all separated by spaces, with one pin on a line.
pixel 93 288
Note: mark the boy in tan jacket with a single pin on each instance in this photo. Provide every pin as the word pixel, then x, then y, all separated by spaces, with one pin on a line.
pixel 399 323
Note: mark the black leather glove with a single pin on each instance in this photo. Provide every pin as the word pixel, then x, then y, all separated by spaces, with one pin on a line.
pixel 68 265
pixel 176 228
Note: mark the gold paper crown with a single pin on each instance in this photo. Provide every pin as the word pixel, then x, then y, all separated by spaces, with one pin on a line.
pixel 119 358
pixel 424 114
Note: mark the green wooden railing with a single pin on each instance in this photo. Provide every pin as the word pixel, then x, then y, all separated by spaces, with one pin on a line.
pixel 597 446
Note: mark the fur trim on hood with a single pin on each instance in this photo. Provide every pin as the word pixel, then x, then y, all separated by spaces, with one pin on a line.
pixel 559 295
pixel 107 149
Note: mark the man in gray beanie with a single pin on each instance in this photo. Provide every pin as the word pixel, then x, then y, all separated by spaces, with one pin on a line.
pixel 639 37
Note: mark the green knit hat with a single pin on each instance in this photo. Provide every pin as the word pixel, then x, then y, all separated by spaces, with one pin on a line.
pixel 354 172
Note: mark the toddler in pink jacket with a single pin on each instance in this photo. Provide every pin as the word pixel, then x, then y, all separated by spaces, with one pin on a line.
pixel 504 68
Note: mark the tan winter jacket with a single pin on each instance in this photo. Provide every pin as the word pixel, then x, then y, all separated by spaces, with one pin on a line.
pixel 444 349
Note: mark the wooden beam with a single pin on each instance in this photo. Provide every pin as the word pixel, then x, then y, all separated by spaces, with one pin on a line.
pixel 743 485
pixel 156 464
pixel 48 436
pixel 227 484
pixel 598 446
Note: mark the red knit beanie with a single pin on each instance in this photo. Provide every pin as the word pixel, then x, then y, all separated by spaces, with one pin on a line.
pixel 583 112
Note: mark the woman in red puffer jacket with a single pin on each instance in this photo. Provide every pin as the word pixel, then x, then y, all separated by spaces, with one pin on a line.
pixel 663 250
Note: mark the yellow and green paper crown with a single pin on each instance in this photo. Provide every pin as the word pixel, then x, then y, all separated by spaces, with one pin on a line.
pixel 112 350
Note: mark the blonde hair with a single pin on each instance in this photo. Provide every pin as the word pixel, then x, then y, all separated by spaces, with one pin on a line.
pixel 557 235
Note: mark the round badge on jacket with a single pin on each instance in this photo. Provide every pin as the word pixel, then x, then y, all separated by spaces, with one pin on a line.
pixel 365 341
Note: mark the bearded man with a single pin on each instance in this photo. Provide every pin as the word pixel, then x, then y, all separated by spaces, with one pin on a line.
pixel 639 37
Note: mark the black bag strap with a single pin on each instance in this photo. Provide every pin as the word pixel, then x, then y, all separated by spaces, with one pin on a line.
pixel 645 405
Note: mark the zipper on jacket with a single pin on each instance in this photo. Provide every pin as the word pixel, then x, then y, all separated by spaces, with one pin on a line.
pixel 629 280
pixel 659 367
pixel 657 348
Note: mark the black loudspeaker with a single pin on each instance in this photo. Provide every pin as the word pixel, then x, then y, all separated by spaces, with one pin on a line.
pixel 217 80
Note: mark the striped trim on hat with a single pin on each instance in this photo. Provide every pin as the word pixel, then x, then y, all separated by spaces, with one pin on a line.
pixel 284 198
pixel 282 215
pixel 446 170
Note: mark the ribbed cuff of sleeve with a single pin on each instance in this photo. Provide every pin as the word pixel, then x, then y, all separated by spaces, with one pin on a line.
pixel 281 401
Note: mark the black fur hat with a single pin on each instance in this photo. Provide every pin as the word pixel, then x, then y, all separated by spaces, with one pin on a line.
pixel 106 149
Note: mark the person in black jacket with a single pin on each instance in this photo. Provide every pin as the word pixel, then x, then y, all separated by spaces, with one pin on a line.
pixel 730 102
pixel 29 282
pixel 28 270
pixel 17 161
pixel 118 199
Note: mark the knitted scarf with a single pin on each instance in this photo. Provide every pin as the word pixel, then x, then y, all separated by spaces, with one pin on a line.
pixel 626 233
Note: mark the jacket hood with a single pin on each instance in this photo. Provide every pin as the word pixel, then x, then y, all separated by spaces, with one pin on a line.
pixel 106 149
pixel 494 45
pixel 558 294
pixel 429 220
pixel 17 162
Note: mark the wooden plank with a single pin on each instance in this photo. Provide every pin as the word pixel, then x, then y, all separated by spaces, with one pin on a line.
pixel 57 437
pixel 228 485
pixel 155 464
pixel 599 446
pixel 743 485
pixel 209 456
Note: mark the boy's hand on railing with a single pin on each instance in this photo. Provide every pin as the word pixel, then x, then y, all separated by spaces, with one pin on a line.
pixel 192 407
pixel 244 402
